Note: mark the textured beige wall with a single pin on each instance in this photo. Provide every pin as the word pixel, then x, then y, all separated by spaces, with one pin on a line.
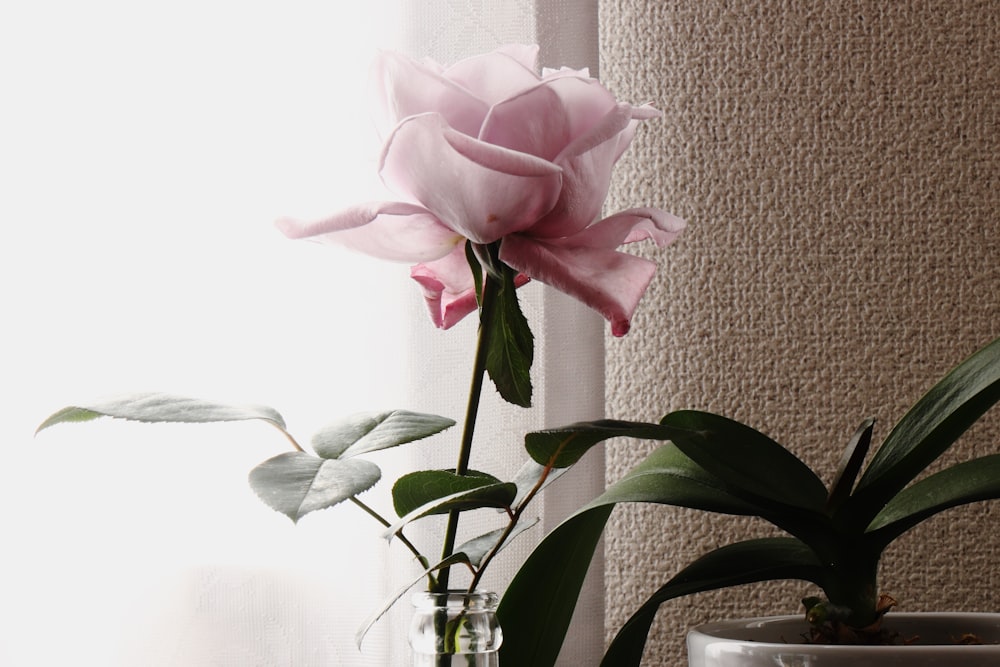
pixel 838 165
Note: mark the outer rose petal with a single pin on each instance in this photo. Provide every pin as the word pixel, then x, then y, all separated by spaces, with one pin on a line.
pixel 395 231
pixel 634 224
pixel 608 281
pixel 449 289
pixel 481 191
pixel 404 87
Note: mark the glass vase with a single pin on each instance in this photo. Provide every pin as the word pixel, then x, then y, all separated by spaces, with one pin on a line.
pixel 455 629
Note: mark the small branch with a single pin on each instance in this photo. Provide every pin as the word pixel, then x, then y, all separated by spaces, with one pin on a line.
pixel 402 538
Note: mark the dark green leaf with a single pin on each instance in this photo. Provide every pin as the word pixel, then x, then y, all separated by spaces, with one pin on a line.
pixel 472 493
pixel 537 607
pixel 562 447
pixel 965 483
pixel 296 483
pixel 417 489
pixel 373 431
pixel 156 408
pixel 930 427
pixel 850 465
pixel 747 562
pixel 510 348
pixel 746 460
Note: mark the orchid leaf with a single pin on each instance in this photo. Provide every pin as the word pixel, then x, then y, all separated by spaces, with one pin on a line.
pixel 429 492
pixel 850 465
pixel 930 427
pixel 537 607
pixel 367 432
pixel 296 483
pixel 152 407
pixel 965 483
pixel 562 447
pixel 510 348
pixel 747 460
pixel 747 562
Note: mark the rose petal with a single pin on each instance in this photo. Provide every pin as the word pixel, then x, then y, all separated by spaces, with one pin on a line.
pixel 394 231
pixel 587 164
pixel 495 76
pixel 448 287
pixel 635 224
pixel 546 118
pixel 403 87
pixel 481 191
pixel 610 282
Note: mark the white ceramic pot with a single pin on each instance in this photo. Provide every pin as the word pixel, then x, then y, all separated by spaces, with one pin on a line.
pixel 777 642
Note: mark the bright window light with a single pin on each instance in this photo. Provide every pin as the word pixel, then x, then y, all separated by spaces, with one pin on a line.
pixel 145 149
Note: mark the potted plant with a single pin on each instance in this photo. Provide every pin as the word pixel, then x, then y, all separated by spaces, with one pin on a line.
pixel 835 535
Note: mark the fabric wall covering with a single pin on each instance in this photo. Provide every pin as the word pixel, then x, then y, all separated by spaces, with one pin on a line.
pixel 837 165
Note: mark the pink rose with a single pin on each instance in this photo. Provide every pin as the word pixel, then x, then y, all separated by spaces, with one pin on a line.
pixel 490 151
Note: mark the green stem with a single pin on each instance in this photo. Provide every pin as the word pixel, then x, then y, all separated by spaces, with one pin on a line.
pixel 491 288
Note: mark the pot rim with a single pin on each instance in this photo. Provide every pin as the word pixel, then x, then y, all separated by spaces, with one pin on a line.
pixel 717 631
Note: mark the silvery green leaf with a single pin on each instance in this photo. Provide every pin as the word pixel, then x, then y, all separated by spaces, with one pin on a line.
pixel 296 483
pixel 454 559
pixel 155 407
pixel 373 431
pixel 477 548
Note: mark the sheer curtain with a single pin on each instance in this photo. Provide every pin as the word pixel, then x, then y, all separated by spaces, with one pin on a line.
pixel 145 151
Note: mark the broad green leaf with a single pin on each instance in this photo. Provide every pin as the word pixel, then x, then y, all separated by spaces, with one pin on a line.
pixel 366 432
pixel 930 427
pixel 477 548
pixel 747 562
pixel 537 607
pixel 498 494
pixel 564 446
pixel 296 483
pixel 417 489
pixel 747 460
pixel 510 349
pixel 965 483
pixel 154 407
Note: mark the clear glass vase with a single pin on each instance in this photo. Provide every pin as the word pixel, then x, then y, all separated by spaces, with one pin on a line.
pixel 455 629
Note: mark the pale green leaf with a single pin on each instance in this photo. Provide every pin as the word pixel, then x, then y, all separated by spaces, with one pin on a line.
pixel 296 483
pixel 366 432
pixel 154 407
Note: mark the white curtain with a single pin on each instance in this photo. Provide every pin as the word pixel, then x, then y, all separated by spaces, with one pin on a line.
pixel 145 150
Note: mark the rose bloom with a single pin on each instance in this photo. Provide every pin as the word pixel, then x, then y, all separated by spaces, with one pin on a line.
pixel 489 150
